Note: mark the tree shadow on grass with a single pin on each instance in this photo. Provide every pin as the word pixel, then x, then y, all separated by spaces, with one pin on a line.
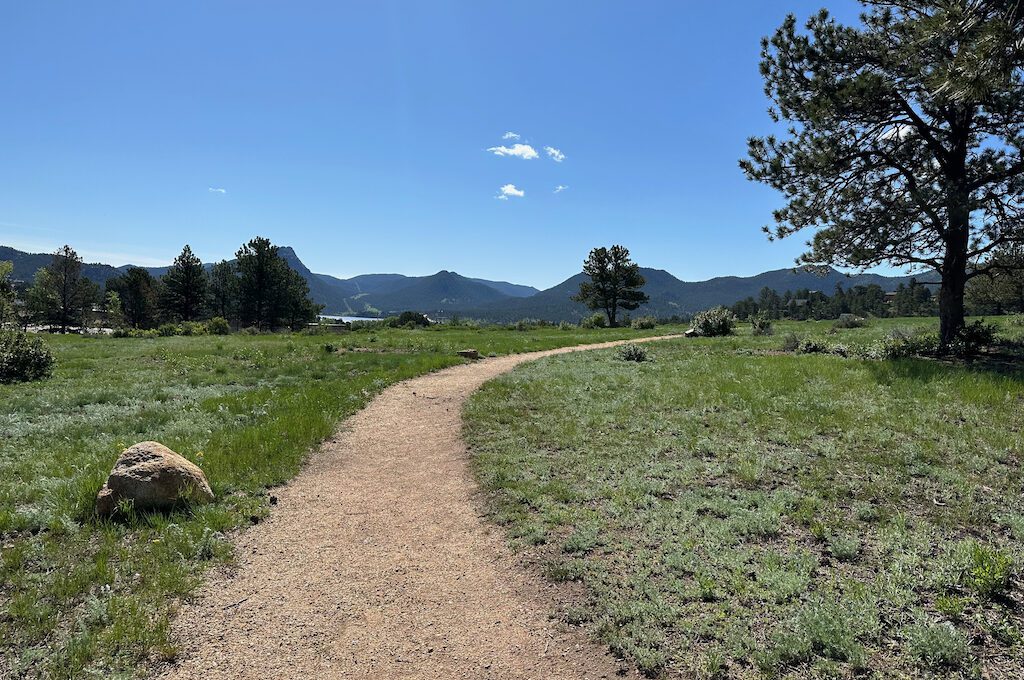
pixel 1004 361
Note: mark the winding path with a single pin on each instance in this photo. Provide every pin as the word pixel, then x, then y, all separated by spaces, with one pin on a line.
pixel 376 562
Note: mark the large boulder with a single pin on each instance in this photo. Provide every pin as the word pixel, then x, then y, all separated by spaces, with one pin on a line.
pixel 152 477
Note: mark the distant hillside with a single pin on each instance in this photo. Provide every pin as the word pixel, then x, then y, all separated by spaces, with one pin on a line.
pixel 670 296
pixel 447 293
pixel 440 293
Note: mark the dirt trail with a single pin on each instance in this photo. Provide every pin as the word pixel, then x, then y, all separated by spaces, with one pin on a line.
pixel 376 562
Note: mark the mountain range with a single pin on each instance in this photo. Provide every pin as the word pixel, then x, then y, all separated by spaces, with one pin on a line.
pixel 448 293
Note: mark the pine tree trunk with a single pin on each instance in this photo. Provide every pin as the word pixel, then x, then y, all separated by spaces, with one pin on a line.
pixel 954 283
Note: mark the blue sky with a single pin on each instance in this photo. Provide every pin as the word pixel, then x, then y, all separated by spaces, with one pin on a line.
pixel 358 132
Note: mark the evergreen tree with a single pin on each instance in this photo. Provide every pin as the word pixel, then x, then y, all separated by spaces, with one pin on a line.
pixel 184 287
pixel 140 294
pixel 60 296
pixel 905 138
pixel 6 293
pixel 223 290
pixel 262 282
pixel 615 282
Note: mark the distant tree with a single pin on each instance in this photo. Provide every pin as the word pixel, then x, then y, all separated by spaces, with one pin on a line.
pixel 905 138
pixel 184 287
pixel 6 293
pixel 299 310
pixel 262 277
pixel 60 296
pixel 115 310
pixel 223 290
pixel 615 282
pixel 139 293
pixel 1001 291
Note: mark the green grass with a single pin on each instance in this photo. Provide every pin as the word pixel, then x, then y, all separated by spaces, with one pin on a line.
pixel 80 596
pixel 733 512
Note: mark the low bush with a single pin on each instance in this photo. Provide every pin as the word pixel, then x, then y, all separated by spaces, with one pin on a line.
pixel 813 346
pixel 593 321
pixel 566 326
pixel 850 321
pixel 901 343
pixel 167 330
pixel 790 342
pixel 714 322
pixel 250 330
pixel 632 352
pixel 23 358
pixel 973 337
pixel 190 328
pixel 761 324
pixel 937 645
pixel 408 320
pixel 218 325
pixel 366 325
pixel 644 323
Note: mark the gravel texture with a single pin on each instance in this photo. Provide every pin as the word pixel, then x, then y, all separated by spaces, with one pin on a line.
pixel 377 562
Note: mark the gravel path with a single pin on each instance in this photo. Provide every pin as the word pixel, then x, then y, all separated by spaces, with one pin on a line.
pixel 376 562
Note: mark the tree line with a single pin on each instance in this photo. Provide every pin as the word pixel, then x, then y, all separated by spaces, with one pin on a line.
pixel 257 289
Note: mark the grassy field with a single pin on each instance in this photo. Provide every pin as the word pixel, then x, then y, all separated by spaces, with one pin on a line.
pixel 732 511
pixel 83 597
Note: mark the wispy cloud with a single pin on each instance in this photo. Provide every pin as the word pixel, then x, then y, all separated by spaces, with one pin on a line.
pixel 524 151
pixel 510 135
pixel 509 190
pixel 560 188
pixel 217 190
pixel 555 155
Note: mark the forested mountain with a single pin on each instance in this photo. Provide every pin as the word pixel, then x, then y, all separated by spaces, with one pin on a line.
pixel 446 293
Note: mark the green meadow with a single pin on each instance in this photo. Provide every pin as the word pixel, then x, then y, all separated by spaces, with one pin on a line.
pixel 80 596
pixel 730 511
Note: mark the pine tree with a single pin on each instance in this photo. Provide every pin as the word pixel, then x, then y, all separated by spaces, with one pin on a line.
pixel 904 138
pixel 615 282
pixel 184 287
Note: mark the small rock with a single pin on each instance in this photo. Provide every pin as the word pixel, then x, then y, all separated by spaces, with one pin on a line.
pixel 469 353
pixel 692 333
pixel 152 477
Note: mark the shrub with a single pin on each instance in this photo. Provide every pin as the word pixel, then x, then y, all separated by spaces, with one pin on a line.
pixel 593 321
pixel 973 337
pixel 218 325
pixel 166 330
pixel 761 324
pixel 849 321
pixel 526 325
pixel 408 320
pixel 366 325
pixel 632 352
pixel 813 346
pixel 988 570
pixel 330 348
pixel 566 326
pixel 714 322
pixel 937 645
pixel 901 343
pixel 190 328
pixel 1017 320
pixel 23 358
pixel 790 343
pixel 250 330
pixel 644 323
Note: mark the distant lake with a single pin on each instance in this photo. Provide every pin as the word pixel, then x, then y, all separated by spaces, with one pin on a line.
pixel 347 319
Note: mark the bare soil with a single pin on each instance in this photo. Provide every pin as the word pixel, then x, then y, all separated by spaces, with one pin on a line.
pixel 377 562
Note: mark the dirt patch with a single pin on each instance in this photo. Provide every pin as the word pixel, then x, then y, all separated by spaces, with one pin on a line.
pixel 376 562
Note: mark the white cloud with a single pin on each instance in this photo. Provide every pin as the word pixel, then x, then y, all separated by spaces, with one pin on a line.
pixel 509 190
pixel 524 151
pixel 560 188
pixel 555 155
pixel 510 135
pixel 898 132
pixel 217 190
